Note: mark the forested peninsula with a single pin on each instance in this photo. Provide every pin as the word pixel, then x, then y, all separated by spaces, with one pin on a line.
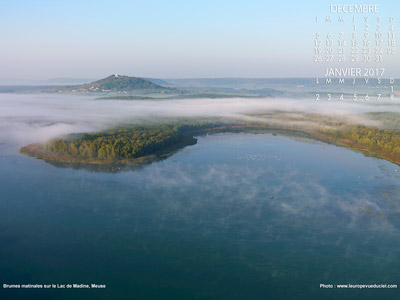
pixel 145 143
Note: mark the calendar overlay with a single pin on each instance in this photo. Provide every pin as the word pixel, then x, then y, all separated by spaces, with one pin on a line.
pixel 355 45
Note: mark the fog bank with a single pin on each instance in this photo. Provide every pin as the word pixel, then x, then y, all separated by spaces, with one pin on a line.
pixel 32 118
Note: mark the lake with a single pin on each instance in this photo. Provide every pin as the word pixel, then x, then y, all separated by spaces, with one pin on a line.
pixel 236 216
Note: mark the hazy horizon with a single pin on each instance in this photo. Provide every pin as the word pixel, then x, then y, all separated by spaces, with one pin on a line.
pixel 174 39
pixel 79 80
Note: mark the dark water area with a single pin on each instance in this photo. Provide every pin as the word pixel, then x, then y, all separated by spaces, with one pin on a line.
pixel 236 216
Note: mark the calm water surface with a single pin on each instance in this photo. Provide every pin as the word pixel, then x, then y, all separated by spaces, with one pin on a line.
pixel 236 216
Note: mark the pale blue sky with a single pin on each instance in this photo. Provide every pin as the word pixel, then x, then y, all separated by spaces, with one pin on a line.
pixel 154 38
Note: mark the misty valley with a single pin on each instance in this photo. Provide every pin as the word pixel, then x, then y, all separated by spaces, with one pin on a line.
pixel 234 197
pixel 208 150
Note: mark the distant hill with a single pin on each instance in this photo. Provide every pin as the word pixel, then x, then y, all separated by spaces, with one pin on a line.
pixel 157 81
pixel 119 83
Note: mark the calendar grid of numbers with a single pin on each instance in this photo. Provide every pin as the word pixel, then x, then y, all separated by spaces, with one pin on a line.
pixel 355 45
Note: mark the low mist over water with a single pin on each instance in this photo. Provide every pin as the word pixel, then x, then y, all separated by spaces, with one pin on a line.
pixel 237 216
pixel 32 118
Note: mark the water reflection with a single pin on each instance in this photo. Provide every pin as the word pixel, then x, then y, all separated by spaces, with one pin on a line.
pixel 236 216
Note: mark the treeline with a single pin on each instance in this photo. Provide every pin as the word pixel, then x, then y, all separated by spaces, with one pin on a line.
pixel 374 139
pixel 123 143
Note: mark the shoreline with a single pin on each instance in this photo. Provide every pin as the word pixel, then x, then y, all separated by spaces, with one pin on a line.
pixel 35 150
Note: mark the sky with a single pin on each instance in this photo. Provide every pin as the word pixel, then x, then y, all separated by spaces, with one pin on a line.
pixel 164 39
